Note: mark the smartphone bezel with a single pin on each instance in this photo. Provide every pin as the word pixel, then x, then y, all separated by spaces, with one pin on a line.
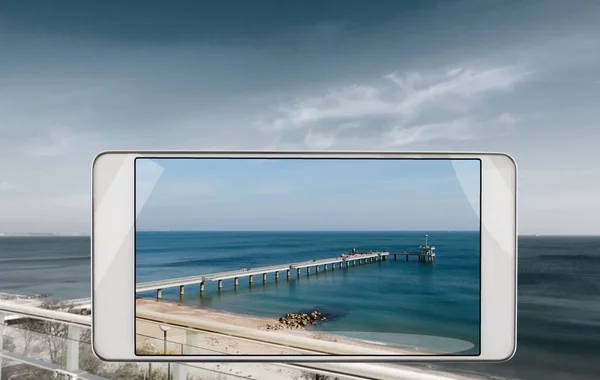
pixel 112 248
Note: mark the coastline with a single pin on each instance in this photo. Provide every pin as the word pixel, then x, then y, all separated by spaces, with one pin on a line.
pixel 242 329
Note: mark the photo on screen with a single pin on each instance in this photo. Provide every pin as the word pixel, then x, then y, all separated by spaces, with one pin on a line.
pixel 290 256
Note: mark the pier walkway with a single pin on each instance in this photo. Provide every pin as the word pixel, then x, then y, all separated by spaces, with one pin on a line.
pixel 425 255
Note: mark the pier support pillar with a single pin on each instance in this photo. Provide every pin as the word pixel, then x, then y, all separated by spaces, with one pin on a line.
pixel 406 257
pixel 202 287
pixel 316 268
pixel 158 293
pixel 333 266
pixel 181 290
pixel 235 282
pixel 250 279
pixel 264 277
pixel 325 267
pixel 298 270
pixel 308 271
pixel 73 334
pixel 276 276
pixel 220 284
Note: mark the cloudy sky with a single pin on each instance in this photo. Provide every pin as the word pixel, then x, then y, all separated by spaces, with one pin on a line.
pixel 78 77
pixel 313 195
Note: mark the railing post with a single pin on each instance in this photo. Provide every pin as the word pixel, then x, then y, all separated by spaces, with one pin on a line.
pixel 73 336
pixel 191 343
pixel 178 371
pixel 190 347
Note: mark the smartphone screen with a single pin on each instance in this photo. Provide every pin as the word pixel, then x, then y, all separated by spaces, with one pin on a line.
pixel 320 255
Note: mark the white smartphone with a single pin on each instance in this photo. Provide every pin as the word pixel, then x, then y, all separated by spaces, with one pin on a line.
pixel 304 256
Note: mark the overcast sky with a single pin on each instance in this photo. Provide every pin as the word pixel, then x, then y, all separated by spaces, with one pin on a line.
pixel 307 195
pixel 78 77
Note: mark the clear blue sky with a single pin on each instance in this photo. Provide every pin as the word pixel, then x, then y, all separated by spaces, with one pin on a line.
pixel 516 76
pixel 292 194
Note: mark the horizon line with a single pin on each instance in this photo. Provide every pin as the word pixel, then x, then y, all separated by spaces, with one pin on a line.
pixel 424 231
pixel 87 234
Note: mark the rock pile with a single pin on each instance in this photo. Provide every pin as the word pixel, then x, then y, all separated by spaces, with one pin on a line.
pixel 298 320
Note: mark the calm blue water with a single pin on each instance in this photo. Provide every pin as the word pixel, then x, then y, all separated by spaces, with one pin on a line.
pixel 559 297
pixel 395 302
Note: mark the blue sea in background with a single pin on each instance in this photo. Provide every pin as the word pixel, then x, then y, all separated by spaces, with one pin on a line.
pixel 559 296
pixel 393 302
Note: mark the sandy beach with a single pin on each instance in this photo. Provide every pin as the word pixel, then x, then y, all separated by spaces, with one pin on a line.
pixel 209 343
pixel 249 335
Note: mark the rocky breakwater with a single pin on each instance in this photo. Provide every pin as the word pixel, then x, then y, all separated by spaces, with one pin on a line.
pixel 298 321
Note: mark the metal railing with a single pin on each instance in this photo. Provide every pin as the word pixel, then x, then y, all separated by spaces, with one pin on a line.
pixel 55 344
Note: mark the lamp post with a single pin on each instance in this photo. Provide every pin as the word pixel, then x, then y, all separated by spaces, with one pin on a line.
pixel 164 329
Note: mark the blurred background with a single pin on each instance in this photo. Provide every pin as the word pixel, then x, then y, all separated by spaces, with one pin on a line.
pixel 521 77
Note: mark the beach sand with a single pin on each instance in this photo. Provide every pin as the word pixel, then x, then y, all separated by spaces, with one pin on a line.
pixel 212 344
pixel 284 342
pixel 209 343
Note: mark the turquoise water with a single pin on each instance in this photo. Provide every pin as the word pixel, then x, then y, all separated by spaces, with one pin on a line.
pixel 433 307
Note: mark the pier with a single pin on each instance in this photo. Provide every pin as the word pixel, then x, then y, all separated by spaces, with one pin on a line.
pixel 355 258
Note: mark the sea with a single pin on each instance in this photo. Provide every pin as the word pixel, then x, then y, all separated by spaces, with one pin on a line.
pixel 392 302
